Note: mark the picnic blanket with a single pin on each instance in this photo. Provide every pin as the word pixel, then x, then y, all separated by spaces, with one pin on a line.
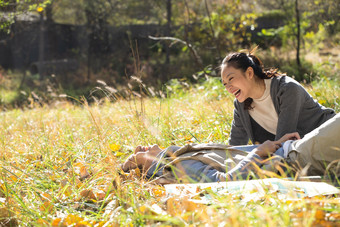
pixel 285 189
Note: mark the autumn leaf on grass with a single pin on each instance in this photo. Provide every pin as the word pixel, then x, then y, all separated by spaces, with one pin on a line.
pixel 152 210
pixel 88 194
pixel 322 101
pixel 117 181
pixel 7 217
pixel 187 209
pixel 100 195
pixel 321 218
pixel 177 206
pixel 65 186
pixel 334 216
pixel 3 189
pixel 70 220
pixel 42 222
pixel 46 197
pixel 56 222
pixel 115 148
pixel 158 191
pixel 81 169
pixel 47 206
pixel 137 172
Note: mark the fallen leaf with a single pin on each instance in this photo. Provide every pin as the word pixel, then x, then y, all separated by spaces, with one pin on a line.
pixel 72 219
pixel 153 210
pixel 56 222
pixel 88 194
pixel 83 224
pixel 42 222
pixel 114 147
pixel 320 215
pixel 84 173
pixel 158 191
pixel 118 154
pixel 47 207
pixel 7 217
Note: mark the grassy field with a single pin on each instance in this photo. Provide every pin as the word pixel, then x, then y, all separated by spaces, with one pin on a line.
pixel 59 163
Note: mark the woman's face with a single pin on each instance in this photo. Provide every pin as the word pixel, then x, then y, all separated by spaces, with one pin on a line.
pixel 237 82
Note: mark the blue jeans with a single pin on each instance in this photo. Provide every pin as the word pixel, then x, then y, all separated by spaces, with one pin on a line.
pixel 196 170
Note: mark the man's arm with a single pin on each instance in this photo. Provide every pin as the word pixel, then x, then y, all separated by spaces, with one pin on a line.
pixel 257 156
pixel 245 167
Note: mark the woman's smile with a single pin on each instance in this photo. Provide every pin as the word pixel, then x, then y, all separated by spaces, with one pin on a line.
pixel 236 83
pixel 237 93
pixel 242 84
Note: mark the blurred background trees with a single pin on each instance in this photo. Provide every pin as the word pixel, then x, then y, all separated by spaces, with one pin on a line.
pixel 70 45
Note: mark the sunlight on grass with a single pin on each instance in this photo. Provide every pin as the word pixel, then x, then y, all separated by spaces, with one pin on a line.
pixel 59 165
pixel 8 96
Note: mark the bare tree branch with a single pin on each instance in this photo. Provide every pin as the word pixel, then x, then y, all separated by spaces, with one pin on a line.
pixel 177 40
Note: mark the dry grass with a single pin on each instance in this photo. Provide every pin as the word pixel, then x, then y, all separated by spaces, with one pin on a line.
pixel 59 165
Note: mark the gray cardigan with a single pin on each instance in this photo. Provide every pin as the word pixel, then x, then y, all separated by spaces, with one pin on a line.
pixel 297 111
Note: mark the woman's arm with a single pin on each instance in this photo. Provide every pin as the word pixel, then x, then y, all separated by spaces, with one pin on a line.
pixel 291 99
pixel 238 134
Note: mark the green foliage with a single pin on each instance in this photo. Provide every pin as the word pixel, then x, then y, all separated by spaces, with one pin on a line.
pixel 69 12
pixel 314 40
pixel 221 31
pixel 8 97
pixel 315 67
pixel 325 91
pixel 208 31
pixel 10 10
pixel 317 20
pixel 303 73
pixel 269 36
pixel 114 13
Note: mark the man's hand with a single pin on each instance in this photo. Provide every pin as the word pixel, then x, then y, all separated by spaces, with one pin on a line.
pixel 130 163
pixel 142 158
pixel 289 136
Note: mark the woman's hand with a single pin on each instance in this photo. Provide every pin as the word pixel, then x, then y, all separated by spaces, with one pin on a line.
pixel 267 148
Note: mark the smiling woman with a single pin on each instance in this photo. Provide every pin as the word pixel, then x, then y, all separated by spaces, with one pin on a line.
pixel 267 104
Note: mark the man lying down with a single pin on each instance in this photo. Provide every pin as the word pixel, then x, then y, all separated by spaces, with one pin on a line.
pixel 316 153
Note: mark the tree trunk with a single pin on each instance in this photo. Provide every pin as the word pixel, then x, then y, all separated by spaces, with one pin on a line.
pixel 213 31
pixel 298 34
pixel 168 30
pixel 41 46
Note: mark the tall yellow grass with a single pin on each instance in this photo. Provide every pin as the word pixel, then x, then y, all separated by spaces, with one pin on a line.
pixel 59 163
